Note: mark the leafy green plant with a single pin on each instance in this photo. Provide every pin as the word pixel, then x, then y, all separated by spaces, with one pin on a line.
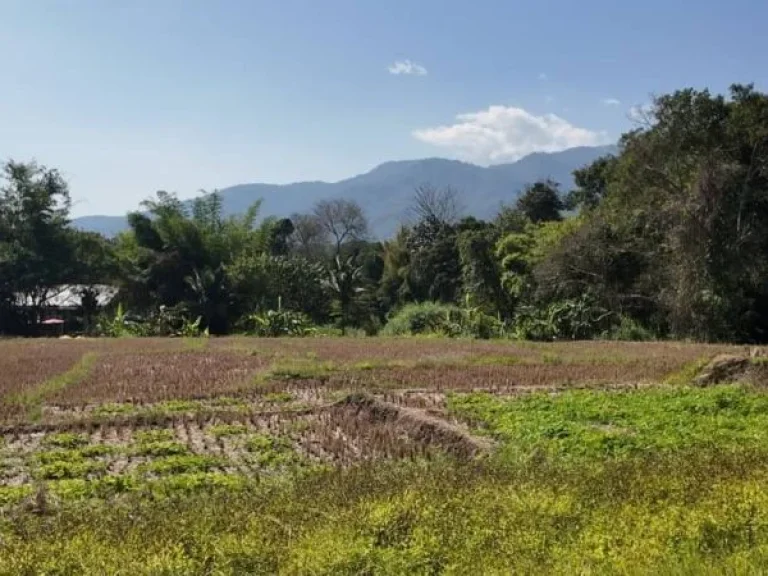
pixel 180 463
pixel 574 319
pixel 224 430
pixel 65 440
pixel 160 448
pixel 280 322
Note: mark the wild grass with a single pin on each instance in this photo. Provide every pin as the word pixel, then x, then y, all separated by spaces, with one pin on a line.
pixel 611 424
pixel 30 401
pixel 665 478
pixel 693 512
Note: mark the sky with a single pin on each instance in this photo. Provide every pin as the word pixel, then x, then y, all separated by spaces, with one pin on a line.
pixel 126 98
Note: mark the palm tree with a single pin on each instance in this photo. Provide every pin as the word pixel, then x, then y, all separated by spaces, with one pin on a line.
pixel 345 282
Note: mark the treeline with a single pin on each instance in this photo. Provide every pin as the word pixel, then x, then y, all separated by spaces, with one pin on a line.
pixel 668 239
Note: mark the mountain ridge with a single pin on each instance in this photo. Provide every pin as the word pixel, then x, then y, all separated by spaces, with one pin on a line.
pixel 385 191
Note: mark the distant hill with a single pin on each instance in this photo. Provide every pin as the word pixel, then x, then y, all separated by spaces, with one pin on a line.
pixel 386 191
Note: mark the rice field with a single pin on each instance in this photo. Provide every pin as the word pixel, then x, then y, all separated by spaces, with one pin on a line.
pixel 349 456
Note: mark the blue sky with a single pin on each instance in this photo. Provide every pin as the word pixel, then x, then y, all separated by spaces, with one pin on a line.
pixel 126 98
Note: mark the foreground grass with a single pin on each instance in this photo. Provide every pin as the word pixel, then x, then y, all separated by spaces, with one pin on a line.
pixel 614 424
pixel 688 513
pixel 668 480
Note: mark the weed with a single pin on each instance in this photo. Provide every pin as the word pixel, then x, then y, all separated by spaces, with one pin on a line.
pixel 114 409
pixel 222 430
pixel 279 397
pixel 159 448
pixel 59 469
pixel 153 435
pixel 550 358
pixel 180 463
pixel 65 440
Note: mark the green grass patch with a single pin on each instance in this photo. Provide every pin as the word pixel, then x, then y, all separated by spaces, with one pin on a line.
pixel 159 448
pixel 181 463
pixel 176 406
pixel 608 424
pixel 114 409
pixel 271 451
pixel 32 401
pixel 687 373
pixel 223 430
pixel 60 469
pixel 12 494
pixel 64 440
pixel 552 359
pixel 279 397
pixel 153 435
pixel 299 369
pixel 495 360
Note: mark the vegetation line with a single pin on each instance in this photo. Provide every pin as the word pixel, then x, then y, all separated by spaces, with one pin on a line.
pixel 33 399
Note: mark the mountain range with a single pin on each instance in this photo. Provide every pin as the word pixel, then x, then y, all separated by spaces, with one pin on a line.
pixel 386 191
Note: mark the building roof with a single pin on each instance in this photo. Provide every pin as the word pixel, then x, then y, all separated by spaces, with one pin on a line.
pixel 71 296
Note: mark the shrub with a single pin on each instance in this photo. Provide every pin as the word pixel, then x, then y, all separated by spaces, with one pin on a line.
pixel 444 320
pixel 422 318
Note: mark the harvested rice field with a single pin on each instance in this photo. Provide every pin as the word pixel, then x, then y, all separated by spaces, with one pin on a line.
pixel 367 456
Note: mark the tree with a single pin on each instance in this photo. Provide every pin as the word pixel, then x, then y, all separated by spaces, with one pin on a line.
pixel 36 251
pixel 439 204
pixel 541 202
pixel 308 238
pixel 342 220
pixel 178 257
pixel 591 184
pixel 345 282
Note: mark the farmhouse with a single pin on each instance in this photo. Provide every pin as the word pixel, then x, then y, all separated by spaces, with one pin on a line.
pixel 67 306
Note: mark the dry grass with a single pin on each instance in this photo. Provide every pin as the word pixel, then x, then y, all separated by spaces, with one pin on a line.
pixel 25 364
pixel 157 377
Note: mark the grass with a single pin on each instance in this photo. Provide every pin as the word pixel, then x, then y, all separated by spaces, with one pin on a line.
pixel 224 430
pixel 663 479
pixel 31 400
pixel 182 463
pixel 610 424
pixel 692 513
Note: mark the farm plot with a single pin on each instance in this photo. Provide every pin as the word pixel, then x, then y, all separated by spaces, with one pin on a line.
pixel 331 456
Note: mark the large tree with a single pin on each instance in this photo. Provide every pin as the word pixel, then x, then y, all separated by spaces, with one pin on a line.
pixel 342 220
pixel 36 248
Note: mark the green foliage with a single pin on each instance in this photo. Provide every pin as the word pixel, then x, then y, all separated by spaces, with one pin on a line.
pixel 606 424
pixel 159 448
pixel 431 318
pixel 224 430
pixel 628 329
pixel 65 440
pixel 271 451
pixel 280 322
pixel 154 435
pixel 541 202
pixel 423 318
pixel 181 463
pixel 565 320
pixel 59 469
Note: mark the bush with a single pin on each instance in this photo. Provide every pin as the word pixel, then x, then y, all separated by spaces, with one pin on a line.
pixel 628 329
pixel 571 319
pixel 422 318
pixel 274 323
pixel 442 319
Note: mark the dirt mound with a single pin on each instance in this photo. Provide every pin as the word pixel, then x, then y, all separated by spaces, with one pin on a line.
pixel 418 425
pixel 724 368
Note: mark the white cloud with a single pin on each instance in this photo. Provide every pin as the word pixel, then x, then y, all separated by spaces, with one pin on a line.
pixel 407 67
pixel 506 133
pixel 610 102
